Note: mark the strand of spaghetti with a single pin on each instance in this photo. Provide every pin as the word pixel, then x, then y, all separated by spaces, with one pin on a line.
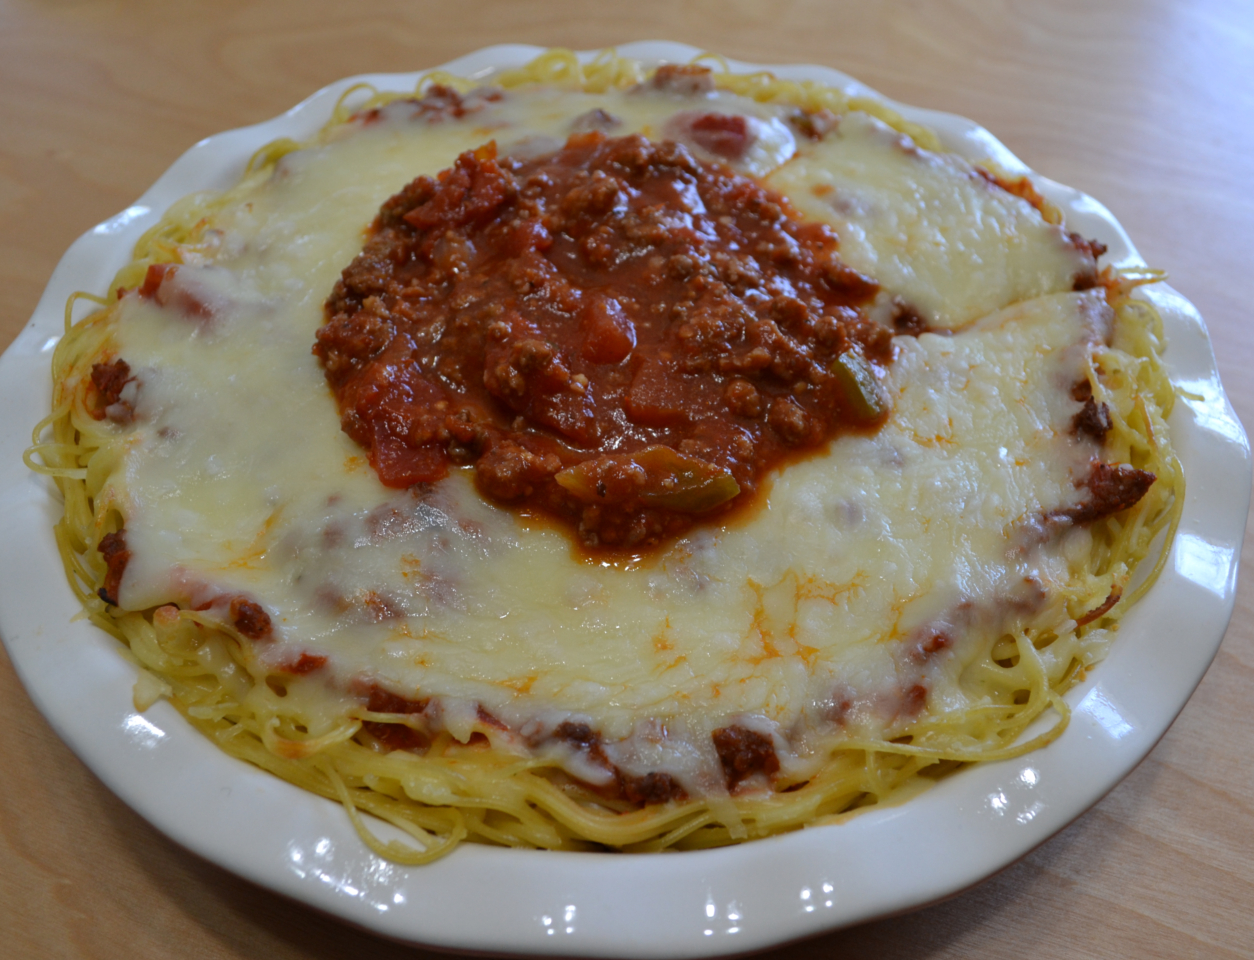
pixel 1173 524
pixel 392 849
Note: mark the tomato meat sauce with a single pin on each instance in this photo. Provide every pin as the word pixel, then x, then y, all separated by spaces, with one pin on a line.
pixel 616 335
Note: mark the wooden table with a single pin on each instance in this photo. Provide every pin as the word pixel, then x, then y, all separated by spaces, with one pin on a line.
pixel 1146 104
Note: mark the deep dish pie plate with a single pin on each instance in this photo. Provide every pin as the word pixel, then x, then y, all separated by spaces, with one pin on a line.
pixel 671 905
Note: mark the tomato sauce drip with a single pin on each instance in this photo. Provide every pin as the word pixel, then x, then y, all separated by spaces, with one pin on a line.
pixel 616 335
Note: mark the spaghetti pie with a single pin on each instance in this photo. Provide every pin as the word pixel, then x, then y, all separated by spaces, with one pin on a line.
pixel 606 458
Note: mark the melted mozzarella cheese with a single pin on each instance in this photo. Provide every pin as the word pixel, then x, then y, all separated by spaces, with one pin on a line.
pixel 930 228
pixel 238 480
pixel 531 122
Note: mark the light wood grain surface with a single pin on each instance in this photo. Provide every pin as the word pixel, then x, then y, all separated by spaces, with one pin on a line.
pixel 1146 104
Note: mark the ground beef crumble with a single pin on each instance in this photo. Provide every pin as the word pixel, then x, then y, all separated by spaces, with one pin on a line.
pixel 616 335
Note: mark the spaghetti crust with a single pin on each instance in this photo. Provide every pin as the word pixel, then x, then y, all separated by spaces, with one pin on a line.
pixel 450 791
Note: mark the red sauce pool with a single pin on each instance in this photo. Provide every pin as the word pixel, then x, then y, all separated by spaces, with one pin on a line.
pixel 616 335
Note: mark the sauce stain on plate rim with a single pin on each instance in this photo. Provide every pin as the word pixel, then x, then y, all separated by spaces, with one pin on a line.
pixel 705 903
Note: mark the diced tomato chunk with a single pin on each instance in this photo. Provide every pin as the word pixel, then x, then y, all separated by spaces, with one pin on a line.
pixel 657 398
pixel 400 465
pixel 609 335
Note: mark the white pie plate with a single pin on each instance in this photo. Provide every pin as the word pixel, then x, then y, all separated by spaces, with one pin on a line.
pixel 675 905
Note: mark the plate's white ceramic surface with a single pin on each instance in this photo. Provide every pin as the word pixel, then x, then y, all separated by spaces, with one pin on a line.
pixel 674 905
